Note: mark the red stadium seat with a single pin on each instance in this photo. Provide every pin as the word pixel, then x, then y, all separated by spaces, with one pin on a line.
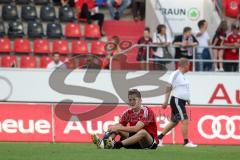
pixel 60 46
pixel 22 46
pixel 41 46
pixel 44 61
pixel 79 47
pixel 98 48
pixel 92 31
pixel 73 30
pixel 5 45
pixel 8 61
pixel 28 62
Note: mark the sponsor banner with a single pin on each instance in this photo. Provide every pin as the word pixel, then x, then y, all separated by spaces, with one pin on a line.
pixel 213 125
pixel 25 122
pixel 180 13
pixel 219 88
pixel 80 131
pixel 207 125
pixel 33 122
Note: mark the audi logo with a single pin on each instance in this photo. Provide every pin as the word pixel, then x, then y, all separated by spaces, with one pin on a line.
pixel 216 127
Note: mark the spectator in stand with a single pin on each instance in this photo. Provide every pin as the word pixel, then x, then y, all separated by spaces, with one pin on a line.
pixel 185 44
pixel 218 41
pixel 86 9
pixel 204 41
pixel 138 6
pixel 119 5
pixel 160 37
pixel 56 63
pixel 232 40
pixel 146 39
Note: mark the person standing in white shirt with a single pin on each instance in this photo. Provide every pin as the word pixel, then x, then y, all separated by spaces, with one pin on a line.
pixel 160 37
pixel 203 53
pixel 180 96
pixel 56 63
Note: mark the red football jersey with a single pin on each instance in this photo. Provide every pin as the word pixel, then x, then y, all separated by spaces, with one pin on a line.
pixel 146 116
pixel 232 54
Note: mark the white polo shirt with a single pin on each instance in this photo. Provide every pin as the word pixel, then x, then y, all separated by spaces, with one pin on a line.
pixel 180 85
pixel 203 41
pixel 53 65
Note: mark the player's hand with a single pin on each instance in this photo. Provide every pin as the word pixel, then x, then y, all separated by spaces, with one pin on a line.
pixel 113 128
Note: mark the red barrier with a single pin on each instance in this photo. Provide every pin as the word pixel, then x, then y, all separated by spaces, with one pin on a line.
pixel 33 122
pixel 215 125
pixel 25 122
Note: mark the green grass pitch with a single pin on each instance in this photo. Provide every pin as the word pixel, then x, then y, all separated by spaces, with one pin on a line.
pixel 84 151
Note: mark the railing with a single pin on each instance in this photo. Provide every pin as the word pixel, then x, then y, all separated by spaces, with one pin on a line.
pixel 194 60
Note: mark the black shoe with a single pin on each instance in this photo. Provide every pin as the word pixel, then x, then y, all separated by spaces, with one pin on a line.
pixel 117 16
pixel 117 145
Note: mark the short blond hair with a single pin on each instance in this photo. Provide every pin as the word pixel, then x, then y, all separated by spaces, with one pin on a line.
pixel 183 62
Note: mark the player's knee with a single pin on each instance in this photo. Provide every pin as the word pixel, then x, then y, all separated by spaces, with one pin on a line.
pixel 142 133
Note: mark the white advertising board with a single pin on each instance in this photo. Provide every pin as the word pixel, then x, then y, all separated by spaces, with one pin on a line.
pixel 34 86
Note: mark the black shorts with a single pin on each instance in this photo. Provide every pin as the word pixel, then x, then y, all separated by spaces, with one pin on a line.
pixel 178 109
pixel 138 146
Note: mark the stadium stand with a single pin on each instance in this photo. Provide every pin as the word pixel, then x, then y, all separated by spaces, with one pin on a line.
pixel 22 46
pixel 92 31
pixel 79 47
pixel 8 61
pixel 54 30
pixel 29 12
pixel 61 47
pixel 41 2
pixel 50 28
pixel 35 30
pixel 2 29
pixel 98 48
pixel 6 1
pixel 22 1
pixel 73 30
pixel 9 12
pixel 41 46
pixel 15 29
pixel 28 62
pixel 66 14
pixel 48 13
pixel 44 61
pixel 5 44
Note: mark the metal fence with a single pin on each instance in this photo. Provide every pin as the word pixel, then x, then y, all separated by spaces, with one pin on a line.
pixel 194 60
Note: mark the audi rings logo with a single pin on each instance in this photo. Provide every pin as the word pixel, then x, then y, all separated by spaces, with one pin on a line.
pixel 231 127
